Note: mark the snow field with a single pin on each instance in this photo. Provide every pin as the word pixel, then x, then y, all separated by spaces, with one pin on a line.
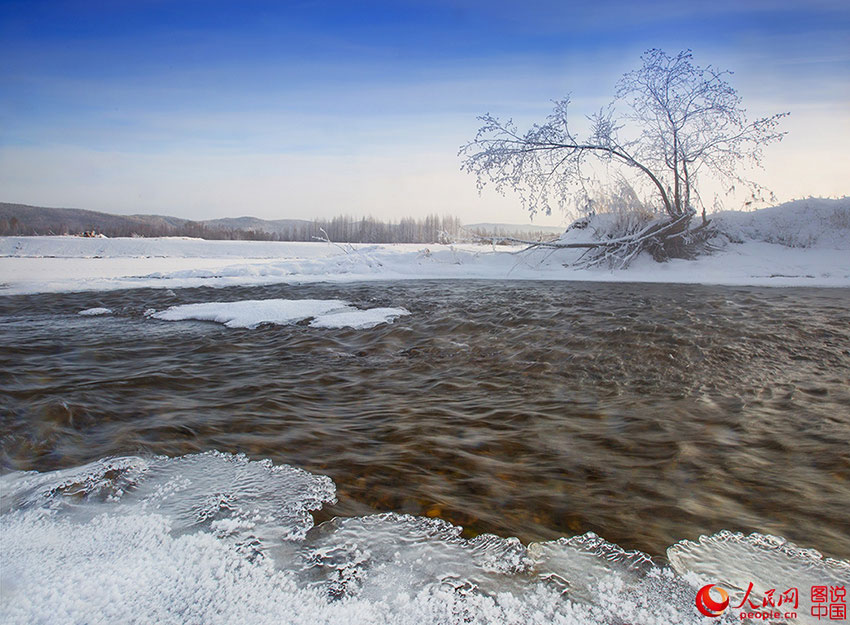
pixel 801 243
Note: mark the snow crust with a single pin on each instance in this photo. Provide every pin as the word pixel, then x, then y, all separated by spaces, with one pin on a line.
pixel 801 243
pixel 325 313
pixel 218 538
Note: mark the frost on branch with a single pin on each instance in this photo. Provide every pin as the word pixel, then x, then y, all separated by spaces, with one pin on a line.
pixel 681 122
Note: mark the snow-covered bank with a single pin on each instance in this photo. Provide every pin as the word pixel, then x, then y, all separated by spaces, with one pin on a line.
pixel 804 243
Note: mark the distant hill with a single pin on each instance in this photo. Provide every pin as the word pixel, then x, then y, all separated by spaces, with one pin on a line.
pixel 22 219
pixel 274 226
pixel 25 220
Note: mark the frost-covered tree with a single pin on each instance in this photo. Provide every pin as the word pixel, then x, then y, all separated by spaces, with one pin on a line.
pixel 671 122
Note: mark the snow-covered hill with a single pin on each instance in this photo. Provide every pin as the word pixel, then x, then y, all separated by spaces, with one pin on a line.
pixel 813 223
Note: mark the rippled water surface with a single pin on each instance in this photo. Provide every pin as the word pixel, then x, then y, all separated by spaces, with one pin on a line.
pixel 644 413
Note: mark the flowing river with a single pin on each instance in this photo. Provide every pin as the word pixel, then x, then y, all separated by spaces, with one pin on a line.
pixel 635 415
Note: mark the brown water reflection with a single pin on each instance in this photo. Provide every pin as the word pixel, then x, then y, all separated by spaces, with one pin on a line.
pixel 645 413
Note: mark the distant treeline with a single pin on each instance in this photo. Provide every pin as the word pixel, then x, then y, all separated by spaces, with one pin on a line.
pixel 343 229
pixel 431 229
pixel 24 220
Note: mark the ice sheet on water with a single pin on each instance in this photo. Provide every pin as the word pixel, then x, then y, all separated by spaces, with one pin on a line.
pixel 329 313
pixel 627 585
pixel 104 480
pixel 223 493
pixel 217 538
pixel 584 579
pixel 92 312
pixel 386 556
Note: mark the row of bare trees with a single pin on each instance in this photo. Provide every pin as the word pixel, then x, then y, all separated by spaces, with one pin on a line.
pixel 431 229
pixel 343 229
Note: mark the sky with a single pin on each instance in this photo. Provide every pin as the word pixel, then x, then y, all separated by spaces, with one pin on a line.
pixel 205 109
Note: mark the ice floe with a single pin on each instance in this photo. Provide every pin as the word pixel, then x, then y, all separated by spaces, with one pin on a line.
pixel 92 312
pixel 325 313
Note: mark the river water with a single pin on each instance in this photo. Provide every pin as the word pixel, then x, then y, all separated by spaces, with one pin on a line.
pixel 646 414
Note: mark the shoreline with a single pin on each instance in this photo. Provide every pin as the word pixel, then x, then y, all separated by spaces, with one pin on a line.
pixel 31 265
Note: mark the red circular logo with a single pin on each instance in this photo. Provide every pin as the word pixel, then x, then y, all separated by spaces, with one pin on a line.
pixel 707 605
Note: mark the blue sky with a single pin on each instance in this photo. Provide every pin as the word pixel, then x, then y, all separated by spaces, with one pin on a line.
pixel 311 109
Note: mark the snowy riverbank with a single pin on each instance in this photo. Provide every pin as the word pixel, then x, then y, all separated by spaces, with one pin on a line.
pixel 762 248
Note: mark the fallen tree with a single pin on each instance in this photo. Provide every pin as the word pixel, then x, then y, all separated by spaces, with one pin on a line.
pixel 682 121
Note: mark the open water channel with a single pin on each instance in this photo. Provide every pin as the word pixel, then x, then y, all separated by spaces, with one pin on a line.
pixel 646 414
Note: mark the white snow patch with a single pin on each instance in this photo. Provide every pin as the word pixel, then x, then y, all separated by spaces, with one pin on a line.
pixel 91 312
pixel 253 312
pixel 359 319
pixel 326 313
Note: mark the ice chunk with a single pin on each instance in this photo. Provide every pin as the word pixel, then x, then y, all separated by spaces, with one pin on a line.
pixel 252 313
pixel 91 312
pixel 326 313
